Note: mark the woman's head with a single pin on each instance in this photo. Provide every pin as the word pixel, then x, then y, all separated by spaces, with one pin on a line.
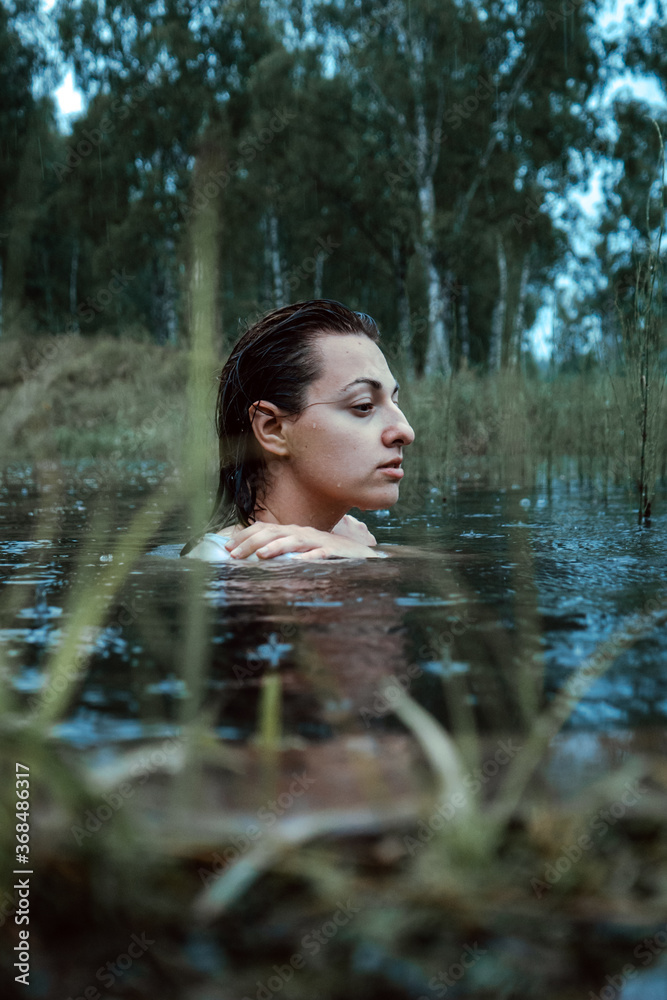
pixel 282 415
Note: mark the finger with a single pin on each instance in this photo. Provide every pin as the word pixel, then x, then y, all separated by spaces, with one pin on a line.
pixel 241 550
pixel 311 555
pixel 248 532
pixel 281 546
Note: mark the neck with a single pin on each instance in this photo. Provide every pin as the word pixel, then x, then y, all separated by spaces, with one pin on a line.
pixel 285 503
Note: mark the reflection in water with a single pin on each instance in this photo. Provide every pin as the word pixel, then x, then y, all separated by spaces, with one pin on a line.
pixel 510 595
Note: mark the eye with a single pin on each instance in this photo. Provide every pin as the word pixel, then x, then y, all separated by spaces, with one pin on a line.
pixel 363 408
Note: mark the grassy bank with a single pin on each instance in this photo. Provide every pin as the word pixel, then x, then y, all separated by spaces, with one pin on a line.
pixel 75 398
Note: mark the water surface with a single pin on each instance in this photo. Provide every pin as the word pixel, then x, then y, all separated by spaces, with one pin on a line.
pixel 513 591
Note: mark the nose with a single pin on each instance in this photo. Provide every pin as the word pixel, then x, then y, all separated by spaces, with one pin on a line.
pixel 398 431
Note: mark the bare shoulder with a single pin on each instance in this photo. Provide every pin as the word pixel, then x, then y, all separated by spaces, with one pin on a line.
pixel 354 529
pixel 230 531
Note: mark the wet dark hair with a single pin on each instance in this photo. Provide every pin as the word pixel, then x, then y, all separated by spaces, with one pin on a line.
pixel 274 360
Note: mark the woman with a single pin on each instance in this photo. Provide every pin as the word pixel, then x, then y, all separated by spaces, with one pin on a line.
pixel 309 426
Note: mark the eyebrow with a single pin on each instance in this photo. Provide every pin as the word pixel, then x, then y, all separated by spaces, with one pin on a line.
pixel 372 382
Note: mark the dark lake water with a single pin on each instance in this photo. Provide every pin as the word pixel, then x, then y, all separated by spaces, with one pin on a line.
pixel 511 591
pixel 498 597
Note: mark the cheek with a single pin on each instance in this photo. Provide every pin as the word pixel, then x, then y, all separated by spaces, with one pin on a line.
pixel 327 439
pixel 331 452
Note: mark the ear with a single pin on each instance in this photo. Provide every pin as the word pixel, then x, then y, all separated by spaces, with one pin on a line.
pixel 268 423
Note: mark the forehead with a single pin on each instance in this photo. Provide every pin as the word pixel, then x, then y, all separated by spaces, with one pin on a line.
pixel 345 357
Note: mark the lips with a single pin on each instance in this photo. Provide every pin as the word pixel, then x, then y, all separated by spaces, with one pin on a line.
pixel 392 468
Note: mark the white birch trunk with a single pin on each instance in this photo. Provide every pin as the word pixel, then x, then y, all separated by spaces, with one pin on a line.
pixel 437 355
pixel 499 311
pixel 437 352
pixel 517 328
pixel 464 327
pixel 319 274
pixel 171 321
pixel 403 306
pixel 276 264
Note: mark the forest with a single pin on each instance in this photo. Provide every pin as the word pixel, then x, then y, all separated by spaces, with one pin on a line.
pixel 418 161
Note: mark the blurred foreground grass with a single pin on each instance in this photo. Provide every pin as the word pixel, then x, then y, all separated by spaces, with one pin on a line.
pixel 371 886
pixel 451 887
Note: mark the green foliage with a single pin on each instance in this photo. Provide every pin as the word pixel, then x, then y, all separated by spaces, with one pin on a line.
pixel 315 139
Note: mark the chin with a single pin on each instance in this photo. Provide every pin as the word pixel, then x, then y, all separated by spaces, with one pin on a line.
pixel 387 498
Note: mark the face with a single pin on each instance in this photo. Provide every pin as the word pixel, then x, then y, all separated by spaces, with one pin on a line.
pixel 346 446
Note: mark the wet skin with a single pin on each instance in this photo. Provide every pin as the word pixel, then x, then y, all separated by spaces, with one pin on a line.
pixel 343 450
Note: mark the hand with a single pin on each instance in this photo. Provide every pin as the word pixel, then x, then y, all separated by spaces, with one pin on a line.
pixel 350 527
pixel 270 540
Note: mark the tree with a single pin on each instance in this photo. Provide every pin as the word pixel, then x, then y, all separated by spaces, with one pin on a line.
pixel 25 122
pixel 167 83
pixel 473 152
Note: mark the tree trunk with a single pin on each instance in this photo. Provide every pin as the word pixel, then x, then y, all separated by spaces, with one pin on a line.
pixel 319 274
pixel 425 158
pixel 464 326
pixel 499 311
pixel 272 256
pixel 169 311
pixel 73 284
pixel 516 342
pixel 165 326
pixel 437 353
pixel 204 237
pixel 403 305
pixel 24 198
